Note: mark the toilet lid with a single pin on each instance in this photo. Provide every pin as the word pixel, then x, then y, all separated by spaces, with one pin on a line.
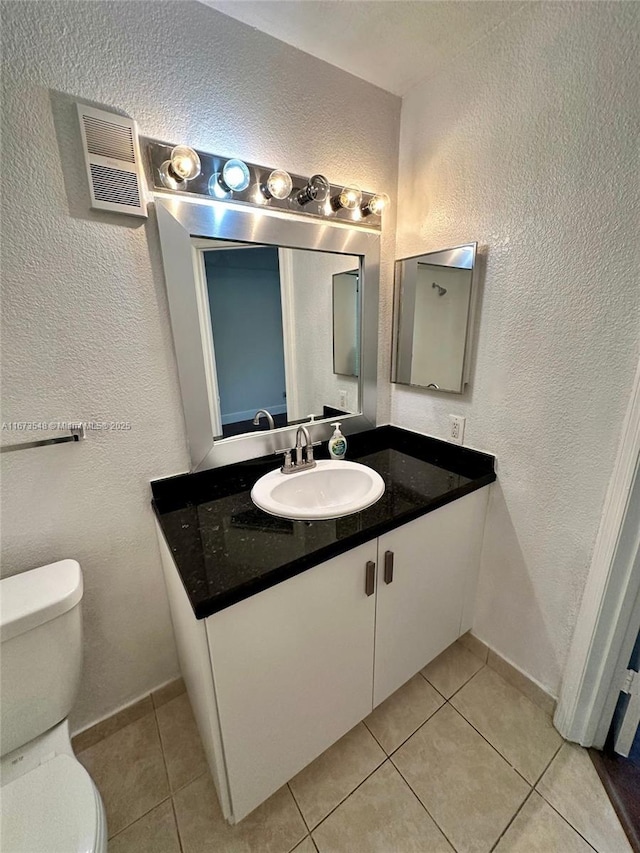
pixel 52 809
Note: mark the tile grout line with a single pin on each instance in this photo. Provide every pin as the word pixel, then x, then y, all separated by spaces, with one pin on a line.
pixel 513 817
pixel 446 702
pixel 477 672
pixel 376 739
pixel 173 791
pixel 191 781
pixel 389 754
pixel 549 763
pixel 123 712
pixel 297 843
pixel 298 807
pixel 164 757
pixel 166 768
pixel 510 685
pixel 497 751
pixel 540 794
pixel 529 795
pixel 439 692
pixel 175 820
pixel 464 684
pixel 487 665
pixel 164 764
pixel 129 825
pixel 531 787
pixel 568 822
pixel 408 784
pixel 489 742
pixel 344 799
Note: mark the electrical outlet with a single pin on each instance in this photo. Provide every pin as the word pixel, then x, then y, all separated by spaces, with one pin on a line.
pixel 456 428
pixel 342 394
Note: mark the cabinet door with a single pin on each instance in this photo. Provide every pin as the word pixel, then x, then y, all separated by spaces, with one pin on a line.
pixel 293 672
pixel 421 610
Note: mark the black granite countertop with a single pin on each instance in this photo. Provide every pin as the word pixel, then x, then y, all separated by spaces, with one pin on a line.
pixel 226 549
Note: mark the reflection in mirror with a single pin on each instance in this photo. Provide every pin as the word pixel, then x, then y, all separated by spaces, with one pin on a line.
pixel 271 318
pixel 346 322
pixel 302 339
pixel 433 319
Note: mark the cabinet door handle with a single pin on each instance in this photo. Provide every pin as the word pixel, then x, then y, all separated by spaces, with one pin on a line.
pixel 370 578
pixel 388 566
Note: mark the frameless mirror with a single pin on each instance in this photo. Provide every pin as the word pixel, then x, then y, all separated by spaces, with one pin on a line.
pixel 258 324
pixel 433 319
pixel 275 330
pixel 346 321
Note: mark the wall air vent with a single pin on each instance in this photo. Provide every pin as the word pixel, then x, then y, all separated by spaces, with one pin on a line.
pixel 112 157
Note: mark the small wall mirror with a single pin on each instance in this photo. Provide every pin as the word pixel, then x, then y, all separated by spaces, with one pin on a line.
pixel 346 323
pixel 433 319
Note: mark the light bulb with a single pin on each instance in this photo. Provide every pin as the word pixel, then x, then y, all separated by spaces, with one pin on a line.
pixel 278 185
pixel 185 162
pixel 216 188
pixel 317 189
pixel 235 176
pixel 170 178
pixel 349 199
pixel 376 204
pixel 183 166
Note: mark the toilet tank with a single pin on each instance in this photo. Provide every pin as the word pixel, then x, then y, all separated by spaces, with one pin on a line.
pixel 40 650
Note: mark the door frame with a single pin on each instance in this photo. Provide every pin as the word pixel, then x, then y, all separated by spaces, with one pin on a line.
pixel 588 694
pixel 200 246
pixel 629 721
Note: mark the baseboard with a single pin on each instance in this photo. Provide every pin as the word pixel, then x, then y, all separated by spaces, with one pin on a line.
pixel 128 714
pixel 511 673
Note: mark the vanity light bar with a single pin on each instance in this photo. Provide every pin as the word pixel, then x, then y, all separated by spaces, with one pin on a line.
pixel 185 171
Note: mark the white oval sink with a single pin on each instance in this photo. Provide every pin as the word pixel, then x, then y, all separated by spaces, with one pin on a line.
pixel 330 490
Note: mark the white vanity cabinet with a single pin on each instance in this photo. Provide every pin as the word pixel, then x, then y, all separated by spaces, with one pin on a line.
pixel 293 672
pixel 277 678
pixel 427 577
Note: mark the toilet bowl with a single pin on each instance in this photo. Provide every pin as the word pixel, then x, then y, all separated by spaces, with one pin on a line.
pixel 48 801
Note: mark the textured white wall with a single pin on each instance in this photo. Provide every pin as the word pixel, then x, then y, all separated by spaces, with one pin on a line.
pixel 85 325
pixel 528 143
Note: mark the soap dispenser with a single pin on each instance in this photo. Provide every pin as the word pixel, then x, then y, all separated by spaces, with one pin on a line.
pixel 337 443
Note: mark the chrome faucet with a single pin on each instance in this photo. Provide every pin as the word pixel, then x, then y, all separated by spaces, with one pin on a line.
pixel 300 462
pixel 259 414
pixel 304 453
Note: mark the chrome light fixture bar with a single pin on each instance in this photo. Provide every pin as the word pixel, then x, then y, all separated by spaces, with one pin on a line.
pixel 239 182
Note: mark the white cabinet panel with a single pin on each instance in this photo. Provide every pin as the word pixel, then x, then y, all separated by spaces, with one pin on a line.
pixel 420 612
pixel 293 672
pixel 195 665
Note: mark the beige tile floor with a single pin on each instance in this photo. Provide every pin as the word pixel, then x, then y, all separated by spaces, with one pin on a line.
pixel 457 760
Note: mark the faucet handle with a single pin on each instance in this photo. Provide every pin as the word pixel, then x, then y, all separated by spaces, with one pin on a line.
pixel 287 465
pixel 309 449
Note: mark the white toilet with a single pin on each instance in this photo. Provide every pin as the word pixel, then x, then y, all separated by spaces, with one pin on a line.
pixel 48 801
